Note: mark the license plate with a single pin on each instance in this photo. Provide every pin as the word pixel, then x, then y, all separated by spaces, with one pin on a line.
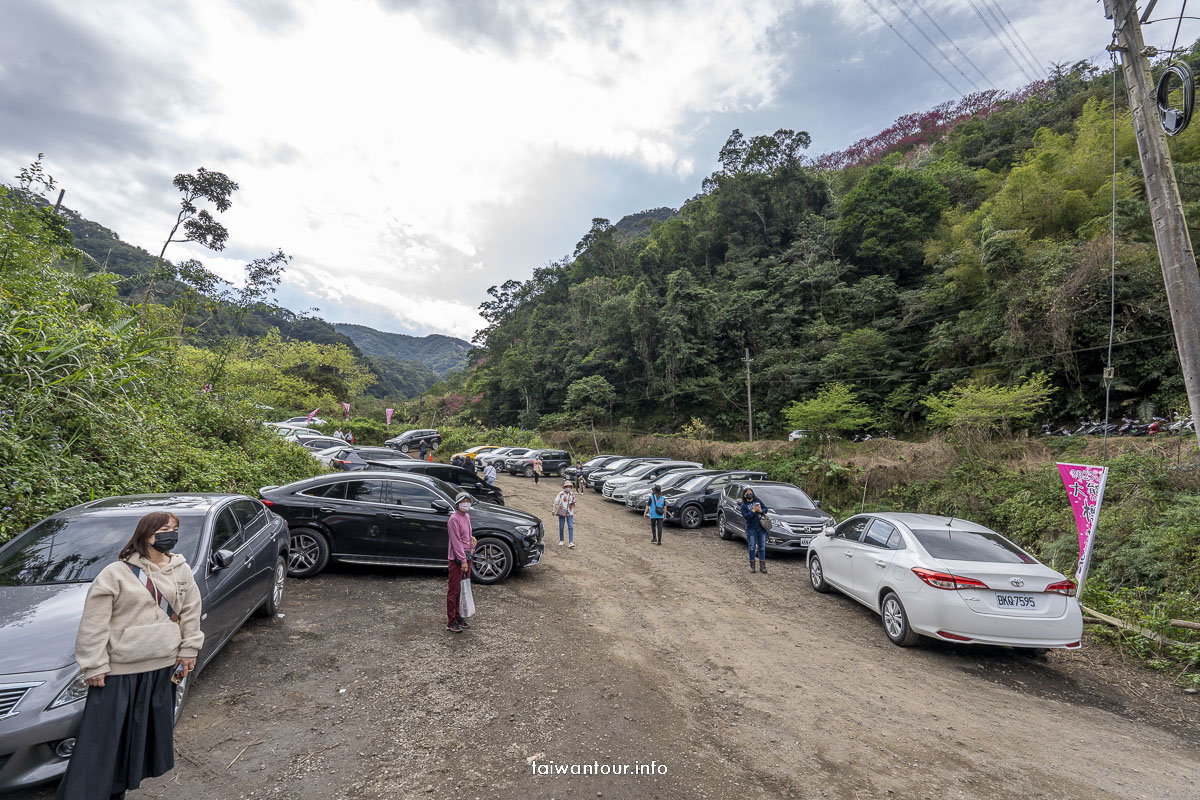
pixel 804 540
pixel 1022 601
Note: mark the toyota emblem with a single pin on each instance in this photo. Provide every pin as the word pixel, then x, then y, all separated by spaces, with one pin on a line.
pixel 1017 582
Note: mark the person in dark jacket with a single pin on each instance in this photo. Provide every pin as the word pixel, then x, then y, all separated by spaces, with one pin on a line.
pixel 424 448
pixel 753 511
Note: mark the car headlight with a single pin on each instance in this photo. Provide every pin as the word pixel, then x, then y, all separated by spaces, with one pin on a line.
pixel 76 690
pixel 528 532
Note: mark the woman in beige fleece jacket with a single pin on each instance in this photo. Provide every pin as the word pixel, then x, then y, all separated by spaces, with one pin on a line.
pixel 141 625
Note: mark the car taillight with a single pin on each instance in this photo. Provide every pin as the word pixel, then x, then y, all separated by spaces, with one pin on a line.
pixel 953 636
pixel 1066 587
pixel 268 503
pixel 944 580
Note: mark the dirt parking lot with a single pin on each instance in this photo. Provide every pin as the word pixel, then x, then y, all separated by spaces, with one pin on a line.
pixel 621 654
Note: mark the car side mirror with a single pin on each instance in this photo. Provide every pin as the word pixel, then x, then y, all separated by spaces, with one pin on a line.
pixel 818 503
pixel 440 507
pixel 221 559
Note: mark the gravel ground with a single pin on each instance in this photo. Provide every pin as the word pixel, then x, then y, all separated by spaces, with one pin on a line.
pixel 717 682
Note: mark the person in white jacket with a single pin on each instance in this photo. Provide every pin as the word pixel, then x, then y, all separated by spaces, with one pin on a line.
pixel 139 636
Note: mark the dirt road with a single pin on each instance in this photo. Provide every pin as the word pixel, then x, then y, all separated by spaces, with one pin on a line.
pixel 618 653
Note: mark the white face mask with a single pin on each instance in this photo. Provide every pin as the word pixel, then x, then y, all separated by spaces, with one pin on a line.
pixel 464 507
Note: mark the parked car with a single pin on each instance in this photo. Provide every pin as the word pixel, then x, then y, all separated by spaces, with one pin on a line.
pixel 592 463
pixel 463 478
pixel 303 421
pixel 638 496
pixel 467 457
pixel 316 443
pixel 392 518
pixel 692 503
pixel 238 553
pixel 797 435
pixel 353 459
pixel 411 440
pixel 327 455
pixel 301 435
pixel 796 519
pixel 283 429
pixel 596 478
pixel 554 462
pixel 497 457
pixel 947 579
pixel 615 487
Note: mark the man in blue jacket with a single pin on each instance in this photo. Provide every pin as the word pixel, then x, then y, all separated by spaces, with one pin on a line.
pixel 656 509
pixel 753 511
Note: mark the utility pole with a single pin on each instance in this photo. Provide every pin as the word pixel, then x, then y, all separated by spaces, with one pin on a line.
pixel 1175 253
pixel 749 403
pixel 58 204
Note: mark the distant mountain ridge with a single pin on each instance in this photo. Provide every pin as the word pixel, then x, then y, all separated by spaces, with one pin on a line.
pixel 440 353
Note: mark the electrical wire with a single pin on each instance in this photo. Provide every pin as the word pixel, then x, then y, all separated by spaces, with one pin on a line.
pixel 1003 46
pixel 934 45
pixel 918 53
pixel 953 43
pixel 1028 52
pixel 1178 25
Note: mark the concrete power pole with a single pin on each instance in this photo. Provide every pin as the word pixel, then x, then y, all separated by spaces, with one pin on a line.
pixel 1166 210
pixel 749 404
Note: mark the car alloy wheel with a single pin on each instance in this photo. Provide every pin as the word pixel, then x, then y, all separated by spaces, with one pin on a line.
pixel 404 449
pixel 562 471
pixel 180 696
pixel 492 562
pixel 816 576
pixel 895 622
pixel 529 472
pixel 307 553
pixel 691 517
pixel 270 607
pixel 723 529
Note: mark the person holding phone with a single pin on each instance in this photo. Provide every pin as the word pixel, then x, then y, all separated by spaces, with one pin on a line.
pixel 753 510
pixel 656 509
pixel 139 636
pixel 461 543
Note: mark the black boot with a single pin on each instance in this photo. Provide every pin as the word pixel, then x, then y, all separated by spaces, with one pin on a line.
pixel 752 566
pixel 762 567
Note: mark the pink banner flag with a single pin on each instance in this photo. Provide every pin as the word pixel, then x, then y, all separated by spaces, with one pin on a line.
pixel 1085 490
pixel 390 411
pixel 347 407
pixel 313 414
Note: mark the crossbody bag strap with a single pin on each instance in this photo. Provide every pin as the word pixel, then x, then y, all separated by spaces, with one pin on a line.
pixel 159 598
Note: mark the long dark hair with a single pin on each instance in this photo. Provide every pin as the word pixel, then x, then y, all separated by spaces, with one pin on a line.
pixel 748 491
pixel 147 526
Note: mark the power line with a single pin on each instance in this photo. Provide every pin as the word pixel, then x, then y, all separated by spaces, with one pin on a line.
pixel 995 8
pixel 918 53
pixel 953 43
pixel 1003 46
pixel 933 44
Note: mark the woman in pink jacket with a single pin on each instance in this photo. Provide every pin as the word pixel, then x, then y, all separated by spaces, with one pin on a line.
pixel 461 544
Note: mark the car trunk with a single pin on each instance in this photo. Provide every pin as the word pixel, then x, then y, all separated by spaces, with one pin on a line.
pixel 1014 590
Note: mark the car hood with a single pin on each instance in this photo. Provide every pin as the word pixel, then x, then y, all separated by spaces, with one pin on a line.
pixel 38 625
pixel 801 515
pixel 491 513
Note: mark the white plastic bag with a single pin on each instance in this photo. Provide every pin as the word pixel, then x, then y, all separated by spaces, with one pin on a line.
pixel 466 602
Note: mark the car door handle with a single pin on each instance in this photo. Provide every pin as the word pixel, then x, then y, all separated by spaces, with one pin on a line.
pixel 325 510
pixel 249 562
pixel 847 554
pixel 880 563
pixel 396 515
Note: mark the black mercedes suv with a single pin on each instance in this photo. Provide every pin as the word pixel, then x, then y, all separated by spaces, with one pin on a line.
pixel 411 440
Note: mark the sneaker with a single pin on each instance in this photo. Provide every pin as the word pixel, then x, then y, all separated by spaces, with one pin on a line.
pixel 659 543
pixel 571 545
pixel 463 623
pixel 560 542
pixel 454 627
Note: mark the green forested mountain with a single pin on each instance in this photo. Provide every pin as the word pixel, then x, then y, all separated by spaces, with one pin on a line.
pixel 967 244
pixel 440 353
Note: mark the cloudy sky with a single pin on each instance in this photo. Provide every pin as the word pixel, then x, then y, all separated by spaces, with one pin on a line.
pixel 411 153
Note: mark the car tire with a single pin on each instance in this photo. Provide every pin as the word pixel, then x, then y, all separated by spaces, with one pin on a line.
pixel 895 621
pixel 271 605
pixel 722 529
pixel 436 444
pixel 493 561
pixel 691 517
pixel 404 449
pixel 529 472
pixel 562 471
pixel 816 576
pixel 308 553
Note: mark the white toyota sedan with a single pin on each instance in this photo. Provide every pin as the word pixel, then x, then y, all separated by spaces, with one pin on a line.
pixel 948 579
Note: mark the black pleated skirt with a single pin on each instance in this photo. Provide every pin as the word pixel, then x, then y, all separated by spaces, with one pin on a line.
pixel 126 735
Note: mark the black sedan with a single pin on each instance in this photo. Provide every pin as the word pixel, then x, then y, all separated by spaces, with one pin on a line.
pixel 353 459
pixel 238 552
pixel 393 518
pixel 463 478
pixel 595 462
pixel 692 503
pixel 795 517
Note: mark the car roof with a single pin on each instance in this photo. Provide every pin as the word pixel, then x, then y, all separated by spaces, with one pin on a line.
pixel 925 521
pixel 191 503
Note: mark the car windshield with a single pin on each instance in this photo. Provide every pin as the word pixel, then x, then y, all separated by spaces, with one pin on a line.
pixel 695 483
pixel 640 470
pixel 596 461
pixel 619 464
pixel 74 550
pixel 674 479
pixel 952 545
pixel 783 497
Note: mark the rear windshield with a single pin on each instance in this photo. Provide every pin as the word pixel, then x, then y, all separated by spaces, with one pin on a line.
pixel 75 550
pixel 952 545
